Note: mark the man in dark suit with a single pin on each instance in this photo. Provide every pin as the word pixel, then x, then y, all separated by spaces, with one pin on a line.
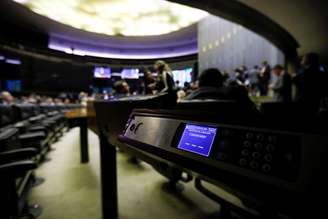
pixel 264 78
pixel 311 84
pixel 211 87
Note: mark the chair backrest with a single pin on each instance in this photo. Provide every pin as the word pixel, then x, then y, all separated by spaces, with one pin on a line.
pixel 9 139
pixel 7 115
pixel 23 111
pixel 213 105
pixel 281 111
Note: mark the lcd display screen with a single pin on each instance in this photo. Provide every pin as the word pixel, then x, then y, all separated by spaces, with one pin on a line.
pixel 14 85
pixel 102 72
pixel 184 75
pixel 130 73
pixel 197 139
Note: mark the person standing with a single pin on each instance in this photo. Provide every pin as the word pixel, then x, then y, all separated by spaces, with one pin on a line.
pixel 310 83
pixel 253 80
pixel 264 79
pixel 165 81
pixel 122 89
pixel 282 87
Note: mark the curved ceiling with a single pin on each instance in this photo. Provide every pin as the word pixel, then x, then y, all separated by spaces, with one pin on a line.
pixel 290 25
pixel 176 44
pixel 118 17
pixel 73 40
pixel 63 37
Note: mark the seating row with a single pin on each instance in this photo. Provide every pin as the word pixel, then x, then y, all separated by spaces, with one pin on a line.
pixel 27 132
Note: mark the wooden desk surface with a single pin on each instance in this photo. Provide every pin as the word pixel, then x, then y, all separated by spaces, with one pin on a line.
pixel 91 114
pixel 84 113
pixel 76 113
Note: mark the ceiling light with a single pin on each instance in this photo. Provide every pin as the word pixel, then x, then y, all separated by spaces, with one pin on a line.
pixel 118 17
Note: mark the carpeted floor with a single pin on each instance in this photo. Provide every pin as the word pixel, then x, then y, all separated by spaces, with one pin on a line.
pixel 72 190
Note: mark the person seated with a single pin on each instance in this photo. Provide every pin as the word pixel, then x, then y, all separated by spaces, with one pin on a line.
pixel 121 88
pixel 211 86
pixel 148 80
pixel 6 98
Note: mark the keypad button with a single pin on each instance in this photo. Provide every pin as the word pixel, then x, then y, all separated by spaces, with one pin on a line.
pixel 226 133
pixel 266 168
pixel 243 162
pixel 258 146
pixel 254 164
pixel 222 156
pixel 270 147
pixel 289 157
pixel 272 139
pixel 247 144
pixel 245 152
pixel 249 135
pixel 256 155
pixel 260 137
pixel 224 145
pixel 268 157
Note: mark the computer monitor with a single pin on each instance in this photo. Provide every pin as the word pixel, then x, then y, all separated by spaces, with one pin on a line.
pixel 13 85
pixel 183 75
pixel 130 73
pixel 102 72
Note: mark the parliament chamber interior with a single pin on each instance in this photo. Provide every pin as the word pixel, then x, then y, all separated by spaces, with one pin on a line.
pixel 141 109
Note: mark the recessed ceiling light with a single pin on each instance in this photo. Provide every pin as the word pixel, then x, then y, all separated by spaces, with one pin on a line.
pixel 118 17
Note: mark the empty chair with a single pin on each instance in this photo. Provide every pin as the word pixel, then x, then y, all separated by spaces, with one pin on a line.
pixel 16 165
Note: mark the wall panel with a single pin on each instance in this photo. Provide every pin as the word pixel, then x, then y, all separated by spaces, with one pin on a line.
pixel 226 45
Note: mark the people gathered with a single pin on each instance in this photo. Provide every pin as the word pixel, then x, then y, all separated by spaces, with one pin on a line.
pixel 307 87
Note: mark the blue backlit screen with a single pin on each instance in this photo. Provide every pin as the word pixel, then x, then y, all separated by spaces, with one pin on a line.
pixel 197 139
pixel 102 72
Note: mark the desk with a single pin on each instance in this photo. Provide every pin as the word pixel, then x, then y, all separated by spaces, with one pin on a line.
pixel 111 118
pixel 79 118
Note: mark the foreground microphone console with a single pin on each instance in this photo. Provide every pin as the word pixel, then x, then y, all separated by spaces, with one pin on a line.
pixel 278 168
pixel 263 153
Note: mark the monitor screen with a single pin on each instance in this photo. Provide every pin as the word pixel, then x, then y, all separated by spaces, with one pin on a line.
pixel 132 73
pixel 182 76
pixel 102 72
pixel 14 85
pixel 197 139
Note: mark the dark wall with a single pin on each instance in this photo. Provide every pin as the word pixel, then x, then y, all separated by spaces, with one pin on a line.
pixel 49 72
pixel 47 76
pixel 8 71
pixel 52 76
